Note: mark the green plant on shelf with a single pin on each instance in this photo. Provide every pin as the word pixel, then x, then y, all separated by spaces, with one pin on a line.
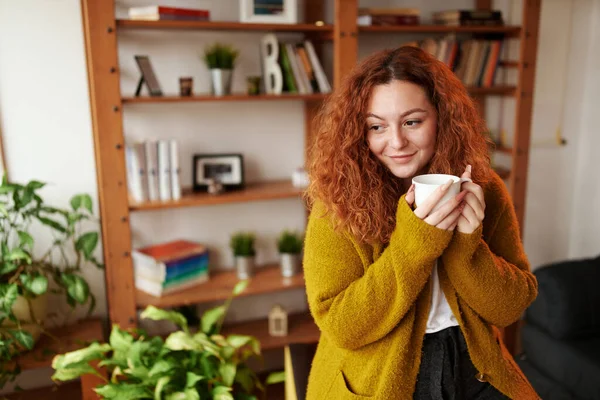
pixel 30 270
pixel 290 242
pixel 186 365
pixel 220 56
pixel 242 244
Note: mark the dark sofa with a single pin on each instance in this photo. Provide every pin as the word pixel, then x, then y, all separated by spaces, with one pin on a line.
pixel 561 335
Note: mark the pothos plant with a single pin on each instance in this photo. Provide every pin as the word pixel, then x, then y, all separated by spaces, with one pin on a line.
pixel 30 271
pixel 184 366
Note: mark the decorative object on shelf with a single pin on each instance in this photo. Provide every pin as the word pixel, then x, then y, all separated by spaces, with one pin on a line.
pixel 186 86
pixel 289 245
pixel 278 321
pixel 227 168
pixel 25 275
pixel 220 59
pixel 214 186
pixel 253 83
pixel 148 77
pixel 242 245
pixel 271 11
pixel 178 364
pixel 170 267
pixel 272 74
pixel 300 178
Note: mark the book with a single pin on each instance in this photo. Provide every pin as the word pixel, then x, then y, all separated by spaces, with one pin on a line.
pixel 468 17
pixel 136 172
pixel 291 53
pixel 310 73
pixel 158 289
pixel 286 69
pixel 387 20
pixel 164 171
pixel 322 81
pixel 174 250
pixel 162 12
pixel 159 271
pixel 174 170
pixel 150 152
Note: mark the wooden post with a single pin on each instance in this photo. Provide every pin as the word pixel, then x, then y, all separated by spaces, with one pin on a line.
pixel 105 101
pixel 345 39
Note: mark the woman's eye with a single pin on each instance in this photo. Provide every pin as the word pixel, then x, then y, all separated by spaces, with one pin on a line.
pixel 375 128
pixel 412 122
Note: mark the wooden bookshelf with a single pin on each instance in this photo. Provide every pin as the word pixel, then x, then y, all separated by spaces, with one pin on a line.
pixel 503 173
pixel 272 190
pixel 503 149
pixel 267 279
pixel 508 30
pixel 492 91
pixel 221 26
pixel 232 97
pixel 301 329
pixel 64 391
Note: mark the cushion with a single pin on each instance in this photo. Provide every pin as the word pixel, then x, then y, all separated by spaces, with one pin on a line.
pixel 573 363
pixel 545 387
pixel 568 302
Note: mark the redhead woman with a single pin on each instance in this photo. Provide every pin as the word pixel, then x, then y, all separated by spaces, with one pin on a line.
pixel 409 300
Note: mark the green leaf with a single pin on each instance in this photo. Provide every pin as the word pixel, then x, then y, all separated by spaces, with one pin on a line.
pixel 227 352
pixel 161 367
pixel 82 200
pixel 52 224
pixel 87 244
pixel 78 289
pixel 211 317
pixel 24 338
pixel 37 284
pixel 227 371
pixel 124 391
pixel 189 394
pixel 181 341
pixel 25 239
pixel 75 202
pixel 95 351
pixel 240 287
pixel 246 378
pixel 160 384
pixel 238 341
pixel 192 379
pixel 275 377
pixel 73 371
pixel 17 254
pixel 222 393
pixel 8 295
pixel 6 267
pixel 3 210
pixel 158 314
pixel 35 185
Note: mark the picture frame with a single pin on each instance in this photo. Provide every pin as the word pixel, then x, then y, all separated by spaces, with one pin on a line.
pixel 270 11
pixel 148 76
pixel 227 168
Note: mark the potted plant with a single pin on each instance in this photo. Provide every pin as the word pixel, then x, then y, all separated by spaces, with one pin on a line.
pixel 186 365
pixel 29 271
pixel 242 245
pixel 290 245
pixel 220 59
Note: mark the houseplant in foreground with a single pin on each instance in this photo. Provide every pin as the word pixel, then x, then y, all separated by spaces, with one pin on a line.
pixel 186 365
pixel 30 271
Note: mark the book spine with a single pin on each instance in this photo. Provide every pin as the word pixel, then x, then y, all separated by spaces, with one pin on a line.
pixel 134 178
pixel 287 69
pixel 148 266
pixel 150 152
pixel 174 169
pixel 324 85
pixel 289 48
pixel 164 174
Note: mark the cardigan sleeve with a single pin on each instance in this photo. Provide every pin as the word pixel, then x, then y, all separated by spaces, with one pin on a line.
pixel 353 303
pixel 492 276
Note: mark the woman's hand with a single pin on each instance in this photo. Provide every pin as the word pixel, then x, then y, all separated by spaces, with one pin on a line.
pixel 474 211
pixel 446 217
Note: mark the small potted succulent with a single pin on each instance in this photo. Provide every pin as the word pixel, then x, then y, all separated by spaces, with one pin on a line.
pixel 242 245
pixel 290 245
pixel 220 59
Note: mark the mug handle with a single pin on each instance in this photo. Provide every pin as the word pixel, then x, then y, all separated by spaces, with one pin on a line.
pixel 463 180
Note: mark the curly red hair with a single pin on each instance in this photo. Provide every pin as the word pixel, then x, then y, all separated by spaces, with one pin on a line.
pixel 353 185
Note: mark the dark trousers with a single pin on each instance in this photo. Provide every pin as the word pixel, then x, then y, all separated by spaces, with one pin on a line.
pixel 446 371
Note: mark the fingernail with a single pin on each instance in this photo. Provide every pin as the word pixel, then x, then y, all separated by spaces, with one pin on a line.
pixel 447 185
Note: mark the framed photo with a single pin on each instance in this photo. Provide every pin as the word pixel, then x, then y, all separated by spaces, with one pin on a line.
pixel 148 76
pixel 270 11
pixel 228 169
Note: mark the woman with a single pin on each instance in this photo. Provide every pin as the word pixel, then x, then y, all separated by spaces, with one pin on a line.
pixel 409 301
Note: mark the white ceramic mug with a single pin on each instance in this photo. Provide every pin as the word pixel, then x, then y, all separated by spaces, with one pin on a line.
pixel 427 184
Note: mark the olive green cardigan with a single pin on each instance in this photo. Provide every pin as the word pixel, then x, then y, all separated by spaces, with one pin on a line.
pixel 371 304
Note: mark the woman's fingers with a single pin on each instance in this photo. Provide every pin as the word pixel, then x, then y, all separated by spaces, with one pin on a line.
pixel 424 209
pixel 475 205
pixel 410 195
pixel 476 190
pixel 439 215
pixel 450 222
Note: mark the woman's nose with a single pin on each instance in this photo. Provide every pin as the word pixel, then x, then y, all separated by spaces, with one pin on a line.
pixel 398 139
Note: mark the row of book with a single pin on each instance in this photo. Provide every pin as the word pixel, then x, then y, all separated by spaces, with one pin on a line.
pixel 153 172
pixel 468 18
pixel 170 267
pixel 474 61
pixel 162 13
pixel 388 16
pixel 302 71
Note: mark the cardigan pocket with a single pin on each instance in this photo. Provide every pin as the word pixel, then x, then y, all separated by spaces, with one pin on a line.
pixel 340 390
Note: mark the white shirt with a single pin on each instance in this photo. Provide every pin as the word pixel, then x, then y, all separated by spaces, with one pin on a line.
pixel 440 315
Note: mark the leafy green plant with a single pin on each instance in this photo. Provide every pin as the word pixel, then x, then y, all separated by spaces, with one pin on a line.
pixel 290 242
pixel 22 273
pixel 220 56
pixel 187 365
pixel 242 244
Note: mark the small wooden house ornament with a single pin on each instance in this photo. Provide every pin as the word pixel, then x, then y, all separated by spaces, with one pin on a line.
pixel 278 321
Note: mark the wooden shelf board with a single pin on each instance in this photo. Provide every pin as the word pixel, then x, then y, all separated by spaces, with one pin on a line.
pixel 508 30
pixel 509 64
pixel 267 279
pixel 271 190
pixel 301 329
pixel 232 97
pixel 220 26
pixel 71 337
pixel 502 149
pixel 503 173
pixel 494 90
pixel 64 391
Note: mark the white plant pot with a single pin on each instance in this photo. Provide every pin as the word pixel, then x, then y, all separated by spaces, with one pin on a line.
pixel 291 264
pixel 27 309
pixel 244 266
pixel 221 81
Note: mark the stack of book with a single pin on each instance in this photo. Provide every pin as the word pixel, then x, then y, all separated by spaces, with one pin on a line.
pixel 170 267
pixel 153 171
pixel 388 16
pixel 161 13
pixel 468 17
pixel 302 71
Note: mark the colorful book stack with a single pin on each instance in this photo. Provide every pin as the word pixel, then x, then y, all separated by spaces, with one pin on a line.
pixel 302 71
pixel 170 267
pixel 388 16
pixel 161 13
